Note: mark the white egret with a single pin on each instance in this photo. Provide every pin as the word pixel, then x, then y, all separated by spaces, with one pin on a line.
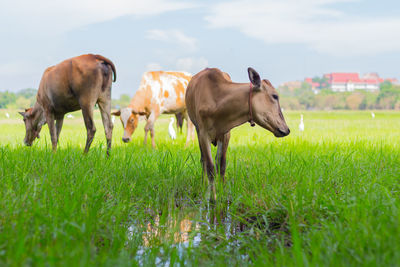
pixel 7 115
pixel 113 119
pixel 70 116
pixel 171 130
pixel 372 114
pixel 301 125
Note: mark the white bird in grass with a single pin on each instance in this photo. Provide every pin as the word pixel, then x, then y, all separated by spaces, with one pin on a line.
pixel 171 130
pixel 372 114
pixel 7 115
pixel 113 119
pixel 70 116
pixel 301 125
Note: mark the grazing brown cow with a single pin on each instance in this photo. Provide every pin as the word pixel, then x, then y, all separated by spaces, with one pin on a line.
pixel 215 105
pixel 159 92
pixel 76 83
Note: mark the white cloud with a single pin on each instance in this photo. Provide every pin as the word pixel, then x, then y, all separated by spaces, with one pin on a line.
pixel 173 36
pixel 311 22
pixel 153 66
pixel 61 15
pixel 191 64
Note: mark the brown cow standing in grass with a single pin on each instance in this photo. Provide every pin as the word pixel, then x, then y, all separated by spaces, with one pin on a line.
pixel 215 105
pixel 76 83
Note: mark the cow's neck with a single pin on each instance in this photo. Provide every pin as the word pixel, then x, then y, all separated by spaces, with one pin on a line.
pixel 138 103
pixel 38 114
pixel 233 108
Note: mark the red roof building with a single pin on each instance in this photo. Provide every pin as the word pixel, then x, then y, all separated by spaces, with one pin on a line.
pixel 350 81
pixel 342 82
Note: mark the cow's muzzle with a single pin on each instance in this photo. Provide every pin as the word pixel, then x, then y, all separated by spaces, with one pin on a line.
pixel 282 133
pixel 27 143
pixel 126 139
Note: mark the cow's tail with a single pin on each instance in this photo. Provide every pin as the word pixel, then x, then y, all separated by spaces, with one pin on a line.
pixel 109 62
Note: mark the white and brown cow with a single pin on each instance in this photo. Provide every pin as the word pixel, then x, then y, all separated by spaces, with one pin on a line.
pixel 159 92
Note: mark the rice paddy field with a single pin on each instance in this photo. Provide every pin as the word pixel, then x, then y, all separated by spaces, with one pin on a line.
pixel 328 196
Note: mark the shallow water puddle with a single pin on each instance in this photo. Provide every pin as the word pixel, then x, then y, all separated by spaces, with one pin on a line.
pixel 187 226
pixel 204 227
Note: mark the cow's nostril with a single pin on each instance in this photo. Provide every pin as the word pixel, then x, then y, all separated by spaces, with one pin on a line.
pixel 284 133
pixel 125 140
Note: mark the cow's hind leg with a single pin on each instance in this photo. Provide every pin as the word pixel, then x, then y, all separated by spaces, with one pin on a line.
pixel 105 110
pixel 87 112
pixel 221 154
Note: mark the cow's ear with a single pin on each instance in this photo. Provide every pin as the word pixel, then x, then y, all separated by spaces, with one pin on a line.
pixel 116 113
pixel 22 113
pixel 254 78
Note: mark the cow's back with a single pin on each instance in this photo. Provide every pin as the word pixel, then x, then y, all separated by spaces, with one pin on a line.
pixel 85 74
pixel 162 91
pixel 71 80
pixel 203 92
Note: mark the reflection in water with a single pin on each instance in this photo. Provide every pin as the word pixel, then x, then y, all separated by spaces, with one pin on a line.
pixel 183 228
pixel 178 230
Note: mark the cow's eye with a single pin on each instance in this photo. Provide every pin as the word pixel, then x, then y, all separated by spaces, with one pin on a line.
pixel 275 97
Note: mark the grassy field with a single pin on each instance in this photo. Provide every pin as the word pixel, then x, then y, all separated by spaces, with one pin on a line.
pixel 328 196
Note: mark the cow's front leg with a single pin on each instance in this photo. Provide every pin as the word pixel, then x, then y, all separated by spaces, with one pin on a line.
pixel 221 155
pixel 59 124
pixel 53 134
pixel 145 132
pixel 208 165
pixel 153 142
pixel 150 127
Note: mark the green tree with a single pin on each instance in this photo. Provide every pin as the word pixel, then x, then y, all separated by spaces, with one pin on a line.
pixel 22 103
pixel 7 98
pixel 27 93
pixel 123 101
pixel 354 100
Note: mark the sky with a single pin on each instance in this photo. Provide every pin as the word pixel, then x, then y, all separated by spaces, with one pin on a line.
pixel 283 40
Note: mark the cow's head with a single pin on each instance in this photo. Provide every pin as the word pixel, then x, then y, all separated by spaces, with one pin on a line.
pixel 34 120
pixel 130 120
pixel 265 106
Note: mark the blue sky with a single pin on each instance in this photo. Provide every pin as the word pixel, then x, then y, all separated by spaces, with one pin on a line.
pixel 283 40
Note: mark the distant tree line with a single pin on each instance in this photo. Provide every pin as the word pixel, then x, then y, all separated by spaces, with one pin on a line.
pixel 22 99
pixel 27 97
pixel 303 97
pixel 293 98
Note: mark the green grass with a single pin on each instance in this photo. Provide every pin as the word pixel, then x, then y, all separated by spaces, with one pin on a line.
pixel 329 196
